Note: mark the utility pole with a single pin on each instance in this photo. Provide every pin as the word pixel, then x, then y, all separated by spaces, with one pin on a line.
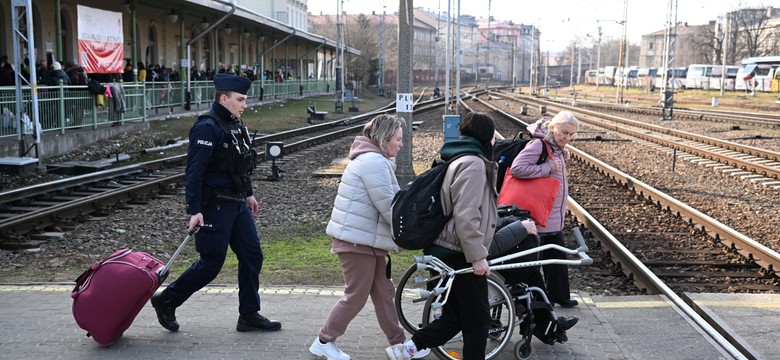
pixel 404 96
pixel 447 58
pixel 340 59
pixel 598 60
pixel 571 71
pixel 532 79
pixel 723 46
pixel 436 48
pixel 382 53
pixel 546 69
pixel 537 55
pixel 23 34
pixel 457 64
pixel 667 91
pixel 487 53
pixel 522 58
pixel 579 64
pixel 513 38
pixel 514 76
pixel 621 64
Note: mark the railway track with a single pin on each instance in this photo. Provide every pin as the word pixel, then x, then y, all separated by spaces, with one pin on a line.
pixel 612 192
pixel 664 246
pixel 761 162
pixel 763 119
pixel 28 215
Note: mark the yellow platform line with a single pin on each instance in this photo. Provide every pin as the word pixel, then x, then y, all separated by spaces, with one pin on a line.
pixel 208 289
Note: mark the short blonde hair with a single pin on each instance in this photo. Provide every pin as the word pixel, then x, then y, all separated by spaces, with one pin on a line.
pixel 561 118
pixel 382 128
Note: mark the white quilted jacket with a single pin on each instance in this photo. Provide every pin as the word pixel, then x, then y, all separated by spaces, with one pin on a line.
pixel 362 209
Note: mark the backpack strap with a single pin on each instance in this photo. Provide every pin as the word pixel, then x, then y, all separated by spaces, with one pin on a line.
pixel 545 154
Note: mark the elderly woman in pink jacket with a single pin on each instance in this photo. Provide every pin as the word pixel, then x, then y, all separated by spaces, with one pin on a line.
pixel 556 133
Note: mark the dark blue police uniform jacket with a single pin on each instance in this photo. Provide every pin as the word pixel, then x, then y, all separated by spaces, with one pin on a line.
pixel 225 222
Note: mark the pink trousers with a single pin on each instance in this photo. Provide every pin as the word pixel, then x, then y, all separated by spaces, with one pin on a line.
pixel 364 275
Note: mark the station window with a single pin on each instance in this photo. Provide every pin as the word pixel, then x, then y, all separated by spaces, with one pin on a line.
pixel 281 16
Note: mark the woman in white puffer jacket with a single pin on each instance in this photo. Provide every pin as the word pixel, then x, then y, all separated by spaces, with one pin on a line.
pixel 361 237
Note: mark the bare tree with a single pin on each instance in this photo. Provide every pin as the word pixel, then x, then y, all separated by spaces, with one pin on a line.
pixel 610 52
pixel 755 34
pixel 362 34
pixel 705 46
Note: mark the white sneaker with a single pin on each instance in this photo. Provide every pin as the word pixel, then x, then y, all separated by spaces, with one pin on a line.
pixel 421 353
pixel 328 350
pixel 406 351
pixel 397 352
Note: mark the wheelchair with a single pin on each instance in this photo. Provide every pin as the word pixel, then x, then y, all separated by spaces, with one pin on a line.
pixel 424 289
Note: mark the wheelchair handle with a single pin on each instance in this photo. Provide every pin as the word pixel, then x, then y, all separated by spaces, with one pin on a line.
pixel 584 258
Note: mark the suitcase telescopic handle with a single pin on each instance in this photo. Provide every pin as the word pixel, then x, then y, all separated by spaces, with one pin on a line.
pixel 162 272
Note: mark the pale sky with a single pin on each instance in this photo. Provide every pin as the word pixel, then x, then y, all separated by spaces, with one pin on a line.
pixel 560 21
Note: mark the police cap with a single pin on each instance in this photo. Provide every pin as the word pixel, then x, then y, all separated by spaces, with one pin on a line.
pixel 226 82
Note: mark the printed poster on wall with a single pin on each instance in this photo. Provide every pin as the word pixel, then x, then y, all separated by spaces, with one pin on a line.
pixel 101 49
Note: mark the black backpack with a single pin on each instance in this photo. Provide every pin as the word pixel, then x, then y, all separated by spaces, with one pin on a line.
pixel 96 87
pixel 418 217
pixel 505 151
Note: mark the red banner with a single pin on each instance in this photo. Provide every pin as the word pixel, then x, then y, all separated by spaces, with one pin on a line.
pixel 99 57
pixel 101 49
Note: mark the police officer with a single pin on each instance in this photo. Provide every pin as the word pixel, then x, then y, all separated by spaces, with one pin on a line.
pixel 221 203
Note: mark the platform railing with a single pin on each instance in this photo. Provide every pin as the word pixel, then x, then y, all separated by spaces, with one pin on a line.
pixel 63 107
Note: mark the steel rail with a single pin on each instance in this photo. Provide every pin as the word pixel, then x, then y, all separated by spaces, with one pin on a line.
pixel 748 118
pixel 642 276
pixel 750 150
pixel 46 216
pixel 49 215
pixel 740 160
pixel 647 280
pixel 747 247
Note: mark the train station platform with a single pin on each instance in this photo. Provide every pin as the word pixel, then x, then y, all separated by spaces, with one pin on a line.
pixel 36 323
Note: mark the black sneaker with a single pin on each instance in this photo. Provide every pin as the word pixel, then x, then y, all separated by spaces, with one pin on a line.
pixel 566 323
pixel 256 322
pixel 166 315
pixel 568 303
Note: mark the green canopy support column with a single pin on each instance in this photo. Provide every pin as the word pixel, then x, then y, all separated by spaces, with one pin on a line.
pixel 184 68
pixel 134 42
pixel 58 21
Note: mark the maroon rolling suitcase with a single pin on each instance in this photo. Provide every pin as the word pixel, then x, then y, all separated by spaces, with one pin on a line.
pixel 110 294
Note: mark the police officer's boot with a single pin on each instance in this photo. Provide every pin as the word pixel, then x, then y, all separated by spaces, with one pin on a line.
pixel 256 322
pixel 166 315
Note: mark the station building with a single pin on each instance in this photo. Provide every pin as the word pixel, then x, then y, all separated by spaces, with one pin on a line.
pixel 158 56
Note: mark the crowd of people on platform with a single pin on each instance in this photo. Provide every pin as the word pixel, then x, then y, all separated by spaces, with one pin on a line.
pixel 50 72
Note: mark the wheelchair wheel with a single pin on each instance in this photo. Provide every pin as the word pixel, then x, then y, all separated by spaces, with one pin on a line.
pixel 502 323
pixel 409 301
pixel 523 350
